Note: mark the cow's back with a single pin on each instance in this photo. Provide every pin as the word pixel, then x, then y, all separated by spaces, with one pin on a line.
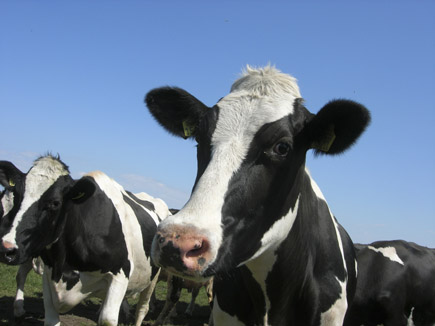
pixel 396 285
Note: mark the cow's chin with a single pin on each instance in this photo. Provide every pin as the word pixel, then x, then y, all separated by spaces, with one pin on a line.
pixel 193 275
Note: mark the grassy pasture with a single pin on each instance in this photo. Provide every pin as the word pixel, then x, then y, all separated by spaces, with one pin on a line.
pixel 85 314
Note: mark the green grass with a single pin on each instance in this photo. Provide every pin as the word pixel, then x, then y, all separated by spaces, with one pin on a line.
pixel 8 284
pixel 33 289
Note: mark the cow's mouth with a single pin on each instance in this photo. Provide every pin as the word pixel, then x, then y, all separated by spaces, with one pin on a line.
pixel 186 254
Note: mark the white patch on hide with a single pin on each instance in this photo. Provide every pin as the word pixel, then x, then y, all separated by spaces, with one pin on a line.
pixel 388 252
pixel 334 316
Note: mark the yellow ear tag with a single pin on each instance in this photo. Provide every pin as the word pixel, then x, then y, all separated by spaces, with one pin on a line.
pixel 80 195
pixel 11 183
pixel 325 144
pixel 188 129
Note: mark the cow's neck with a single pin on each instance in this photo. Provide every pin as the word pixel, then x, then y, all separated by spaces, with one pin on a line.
pixel 287 264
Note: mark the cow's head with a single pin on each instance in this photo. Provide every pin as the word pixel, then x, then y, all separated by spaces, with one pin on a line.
pixel 251 148
pixel 33 222
pixel 11 180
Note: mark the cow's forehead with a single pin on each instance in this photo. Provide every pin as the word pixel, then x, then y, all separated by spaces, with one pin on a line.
pixel 267 81
pixel 42 175
pixel 259 97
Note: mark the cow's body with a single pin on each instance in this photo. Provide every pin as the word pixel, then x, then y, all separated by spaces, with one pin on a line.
pixel 396 285
pixel 256 219
pixel 93 236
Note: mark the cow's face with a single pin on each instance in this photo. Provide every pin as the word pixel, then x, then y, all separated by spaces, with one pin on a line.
pixel 31 223
pixel 251 150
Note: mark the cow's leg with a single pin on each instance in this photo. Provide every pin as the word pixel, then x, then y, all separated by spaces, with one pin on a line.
pixel 112 302
pixel 172 296
pixel 142 306
pixel 21 276
pixel 51 314
pixel 191 306
pixel 125 312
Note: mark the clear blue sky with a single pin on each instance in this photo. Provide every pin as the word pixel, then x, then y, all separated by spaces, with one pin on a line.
pixel 73 75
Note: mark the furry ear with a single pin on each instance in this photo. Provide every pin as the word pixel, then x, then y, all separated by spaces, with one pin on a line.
pixel 10 175
pixel 81 191
pixel 176 110
pixel 337 126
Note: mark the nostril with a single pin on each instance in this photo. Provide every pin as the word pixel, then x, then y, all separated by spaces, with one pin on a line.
pixel 197 245
pixel 198 248
pixel 10 255
pixel 9 251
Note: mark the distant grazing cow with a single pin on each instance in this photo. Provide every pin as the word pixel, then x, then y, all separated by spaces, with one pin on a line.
pixel 395 287
pixel 256 219
pixel 6 206
pixel 93 236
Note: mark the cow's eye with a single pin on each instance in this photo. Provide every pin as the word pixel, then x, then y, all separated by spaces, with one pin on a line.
pixel 52 205
pixel 281 148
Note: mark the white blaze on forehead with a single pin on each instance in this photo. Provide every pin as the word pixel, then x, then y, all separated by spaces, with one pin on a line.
pixel 388 252
pixel 41 176
pixel 259 97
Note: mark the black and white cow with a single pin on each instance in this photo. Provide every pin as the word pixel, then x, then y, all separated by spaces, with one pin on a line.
pixel 93 236
pixel 6 205
pixel 395 287
pixel 256 219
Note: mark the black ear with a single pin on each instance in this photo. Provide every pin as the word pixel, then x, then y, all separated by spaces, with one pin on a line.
pixel 176 110
pixel 10 175
pixel 337 126
pixel 81 191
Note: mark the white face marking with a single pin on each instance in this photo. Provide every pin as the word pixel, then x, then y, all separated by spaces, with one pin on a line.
pixel 334 316
pixel 259 97
pixel 388 252
pixel 7 202
pixel 43 174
